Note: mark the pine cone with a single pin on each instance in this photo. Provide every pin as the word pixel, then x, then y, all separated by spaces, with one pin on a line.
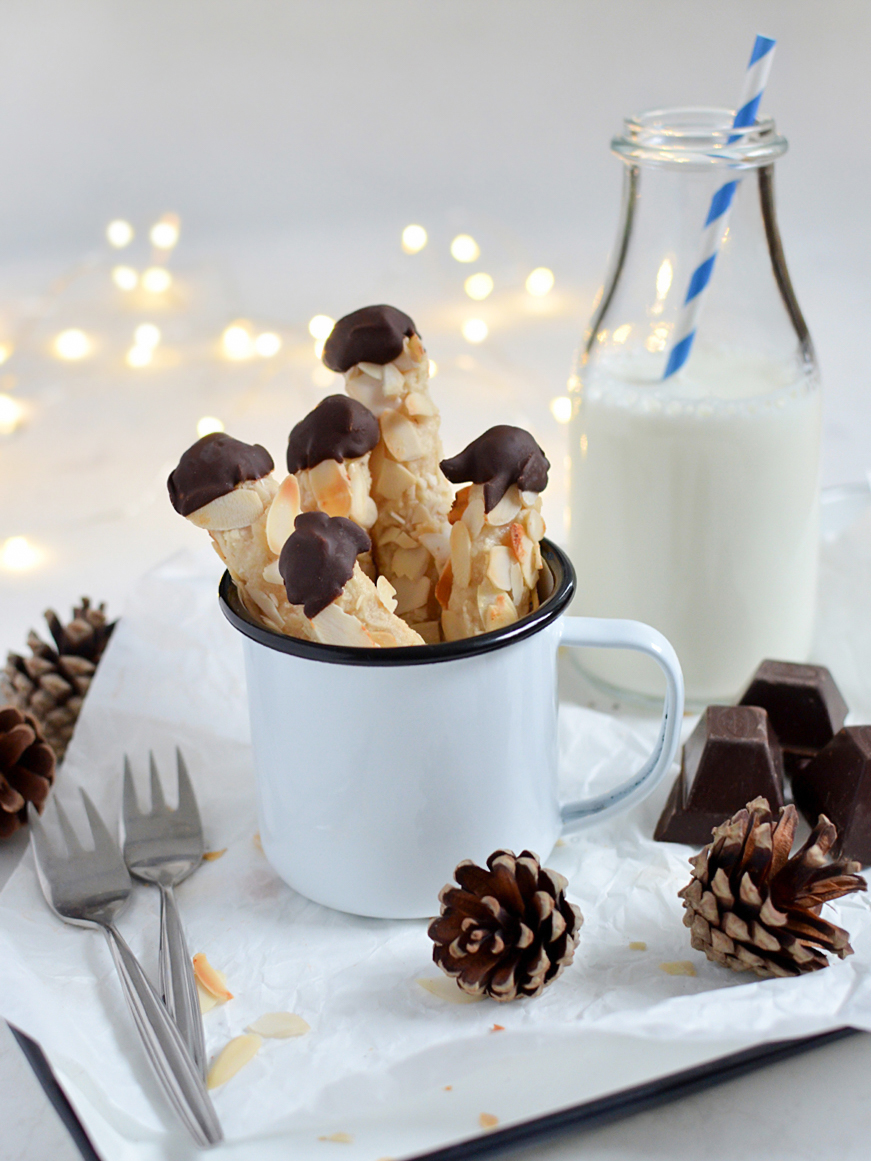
pixel 51 683
pixel 751 907
pixel 506 932
pixel 26 768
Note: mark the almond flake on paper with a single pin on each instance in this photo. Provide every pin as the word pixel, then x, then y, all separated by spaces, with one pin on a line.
pixel 211 856
pixel 679 967
pixel 488 1121
pixel 498 1028
pixel 447 989
pixel 231 1058
pixel 279 1025
pixel 638 945
pixel 212 981
pixel 339 1138
pixel 258 842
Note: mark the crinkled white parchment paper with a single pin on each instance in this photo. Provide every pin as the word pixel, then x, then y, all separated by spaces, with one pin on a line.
pixel 395 1067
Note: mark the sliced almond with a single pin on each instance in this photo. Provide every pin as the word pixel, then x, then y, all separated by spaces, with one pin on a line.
pixel 373 370
pixel 499 567
pixel 271 574
pixel 517 587
pixel 411 562
pixel 279 1026
pixel 338 1138
pixel 459 506
pixel 444 586
pixel 452 626
pixel 236 509
pixel 386 594
pixel 534 524
pixel 474 515
pixel 438 545
pixel 211 856
pixel 210 978
pixel 448 989
pixel 507 508
pixel 364 510
pixel 461 554
pixel 418 404
pixel 393 480
pixel 329 482
pixel 206 999
pixel 401 436
pixel 488 1121
pixel 411 594
pixel 430 631
pixel 394 380
pixel 232 1057
pixel 333 626
pixel 403 540
pixel 414 347
pixel 283 510
pixel 531 499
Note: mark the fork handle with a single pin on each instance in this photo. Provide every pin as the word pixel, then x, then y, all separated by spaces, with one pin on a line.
pixel 176 978
pixel 167 1053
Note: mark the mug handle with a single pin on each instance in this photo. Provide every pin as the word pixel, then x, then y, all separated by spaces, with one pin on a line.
pixel 614 634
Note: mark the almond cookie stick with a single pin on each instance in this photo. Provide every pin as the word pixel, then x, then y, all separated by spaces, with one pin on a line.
pixel 386 368
pixel 225 486
pixel 319 567
pixel 491 577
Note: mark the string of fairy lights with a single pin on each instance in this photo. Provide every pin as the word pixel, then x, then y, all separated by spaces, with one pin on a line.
pixel 148 287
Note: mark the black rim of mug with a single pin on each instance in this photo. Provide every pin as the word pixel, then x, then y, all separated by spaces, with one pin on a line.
pixel 554 605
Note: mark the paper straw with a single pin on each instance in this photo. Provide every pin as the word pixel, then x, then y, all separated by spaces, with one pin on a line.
pixel 718 214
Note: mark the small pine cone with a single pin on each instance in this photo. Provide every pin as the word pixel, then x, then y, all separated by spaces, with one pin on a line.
pixel 26 768
pixel 52 682
pixel 751 907
pixel 508 931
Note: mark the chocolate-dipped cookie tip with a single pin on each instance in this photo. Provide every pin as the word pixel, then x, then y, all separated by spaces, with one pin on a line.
pixel 373 334
pixel 212 467
pixel 502 456
pixel 339 428
pixel 318 559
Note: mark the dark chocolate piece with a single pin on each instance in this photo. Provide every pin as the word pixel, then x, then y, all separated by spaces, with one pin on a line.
pixel 837 783
pixel 497 459
pixel 212 467
pixel 339 428
pixel 804 705
pixel 318 559
pixel 731 757
pixel 373 334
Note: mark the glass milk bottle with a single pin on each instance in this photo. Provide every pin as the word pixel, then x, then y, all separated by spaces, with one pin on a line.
pixel 694 498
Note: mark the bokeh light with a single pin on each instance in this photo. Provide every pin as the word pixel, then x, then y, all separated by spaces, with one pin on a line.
pixel 475 330
pixel 72 344
pixel 17 554
pixel 119 233
pixel 11 414
pixel 237 342
pixel 125 277
pixel 146 335
pixel 321 326
pixel 478 286
pixel 465 249
pixel 540 282
pixel 209 424
pixel 164 234
pixel 267 345
pixel 156 280
pixel 414 238
pixel 561 408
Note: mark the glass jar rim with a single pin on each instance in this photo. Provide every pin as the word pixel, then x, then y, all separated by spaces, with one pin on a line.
pixel 698 138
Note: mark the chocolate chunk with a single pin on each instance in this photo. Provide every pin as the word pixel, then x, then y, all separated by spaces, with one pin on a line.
pixel 373 334
pixel 804 705
pixel 497 459
pixel 837 783
pixel 339 428
pixel 731 757
pixel 212 467
pixel 318 559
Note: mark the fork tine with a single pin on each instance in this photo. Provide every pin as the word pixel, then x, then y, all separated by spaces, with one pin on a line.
pixel 187 802
pixel 104 844
pixel 74 847
pixel 157 801
pixel 130 808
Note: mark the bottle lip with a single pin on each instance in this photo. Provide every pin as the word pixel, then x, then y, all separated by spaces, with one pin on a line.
pixel 697 138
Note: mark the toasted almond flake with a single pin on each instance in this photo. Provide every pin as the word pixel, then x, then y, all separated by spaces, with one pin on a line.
pixel 236 509
pixel 272 574
pixel 391 479
pixel 331 486
pixel 417 403
pixel 400 436
pixel 258 842
pixel 474 515
pixel 447 989
pixel 507 508
pixel 210 978
pixel 488 1121
pixel 339 1138
pixel 679 967
pixel 448 1087
pixel 232 1057
pixel 206 999
pixel 211 856
pixel 498 1028
pixel 279 1026
pixel 638 945
pixel 444 586
pixel 386 594
pixel 333 626
pixel 283 510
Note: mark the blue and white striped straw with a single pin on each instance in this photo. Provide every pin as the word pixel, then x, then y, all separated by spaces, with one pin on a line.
pixel 718 214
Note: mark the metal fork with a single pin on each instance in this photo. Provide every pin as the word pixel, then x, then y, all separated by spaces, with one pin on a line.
pixel 164 847
pixel 89 888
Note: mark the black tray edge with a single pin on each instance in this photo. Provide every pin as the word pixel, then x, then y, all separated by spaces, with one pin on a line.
pixel 590 1114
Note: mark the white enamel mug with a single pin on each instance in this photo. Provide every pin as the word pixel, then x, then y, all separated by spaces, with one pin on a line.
pixel 378 770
